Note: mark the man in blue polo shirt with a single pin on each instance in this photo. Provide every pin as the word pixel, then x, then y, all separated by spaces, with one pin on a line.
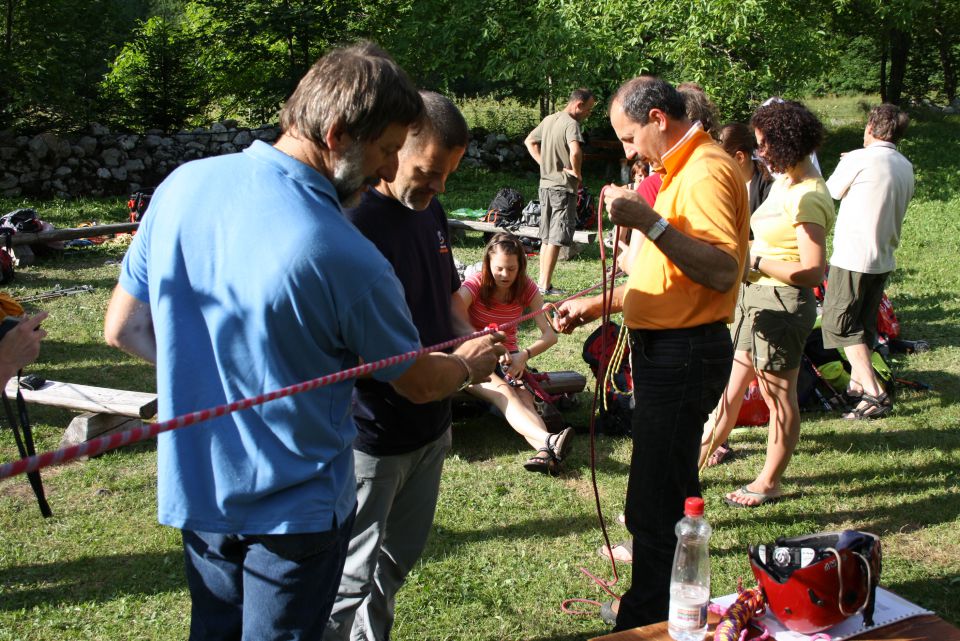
pixel 245 277
pixel 400 446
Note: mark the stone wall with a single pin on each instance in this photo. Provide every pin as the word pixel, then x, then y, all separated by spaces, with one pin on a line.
pixel 496 151
pixel 99 162
pixel 102 163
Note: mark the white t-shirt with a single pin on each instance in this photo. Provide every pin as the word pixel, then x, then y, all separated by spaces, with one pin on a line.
pixel 874 186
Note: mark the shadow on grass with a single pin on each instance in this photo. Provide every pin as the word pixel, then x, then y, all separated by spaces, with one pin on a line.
pixel 86 579
pixel 925 316
pixel 483 436
pixel 855 441
pixel 906 516
pixel 61 361
pixel 443 542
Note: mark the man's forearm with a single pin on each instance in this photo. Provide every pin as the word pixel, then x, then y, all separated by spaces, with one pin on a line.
pixel 533 148
pixel 576 162
pixel 700 261
pixel 431 377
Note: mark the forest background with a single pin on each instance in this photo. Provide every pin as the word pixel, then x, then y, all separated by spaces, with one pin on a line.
pixel 172 64
pixel 507 547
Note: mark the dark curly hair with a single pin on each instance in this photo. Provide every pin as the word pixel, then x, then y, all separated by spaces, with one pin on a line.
pixel 790 131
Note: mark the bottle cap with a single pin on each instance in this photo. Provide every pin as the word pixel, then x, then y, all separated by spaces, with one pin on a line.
pixel 693 506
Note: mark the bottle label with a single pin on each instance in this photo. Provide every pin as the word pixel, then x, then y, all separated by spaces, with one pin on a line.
pixel 688 616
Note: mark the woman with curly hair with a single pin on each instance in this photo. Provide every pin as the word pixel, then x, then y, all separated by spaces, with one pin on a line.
pixel 738 140
pixel 776 309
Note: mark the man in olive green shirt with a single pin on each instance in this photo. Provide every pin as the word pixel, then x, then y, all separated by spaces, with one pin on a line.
pixel 556 146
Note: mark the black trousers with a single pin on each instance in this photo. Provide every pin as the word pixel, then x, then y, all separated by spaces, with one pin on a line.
pixel 678 378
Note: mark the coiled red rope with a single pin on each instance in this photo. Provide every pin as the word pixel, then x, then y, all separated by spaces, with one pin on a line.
pixel 604 361
pixel 128 437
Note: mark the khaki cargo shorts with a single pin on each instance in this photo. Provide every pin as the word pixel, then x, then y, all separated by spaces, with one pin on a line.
pixel 773 323
pixel 558 216
pixel 850 308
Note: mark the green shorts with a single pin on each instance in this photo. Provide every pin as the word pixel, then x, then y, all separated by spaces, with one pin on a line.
pixel 850 308
pixel 773 323
pixel 558 216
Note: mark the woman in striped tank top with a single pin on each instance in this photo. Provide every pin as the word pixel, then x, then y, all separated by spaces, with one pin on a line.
pixel 499 293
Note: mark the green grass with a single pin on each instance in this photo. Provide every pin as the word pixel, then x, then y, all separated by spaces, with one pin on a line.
pixel 507 545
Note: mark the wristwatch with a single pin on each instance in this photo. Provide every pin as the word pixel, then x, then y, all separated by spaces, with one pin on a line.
pixel 657 229
pixel 756 263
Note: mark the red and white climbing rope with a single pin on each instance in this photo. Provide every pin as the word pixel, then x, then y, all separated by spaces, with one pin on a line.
pixel 113 441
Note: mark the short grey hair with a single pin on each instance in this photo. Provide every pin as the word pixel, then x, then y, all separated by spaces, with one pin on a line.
pixel 440 121
pixel 581 94
pixel 358 88
pixel 639 95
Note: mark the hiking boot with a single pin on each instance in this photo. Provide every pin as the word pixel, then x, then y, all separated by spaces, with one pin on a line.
pixel 607 615
pixel 551 291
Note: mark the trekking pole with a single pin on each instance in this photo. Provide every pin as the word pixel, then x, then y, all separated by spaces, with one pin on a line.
pixel 57 292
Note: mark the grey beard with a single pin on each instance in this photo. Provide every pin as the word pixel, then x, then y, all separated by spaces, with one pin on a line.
pixel 348 178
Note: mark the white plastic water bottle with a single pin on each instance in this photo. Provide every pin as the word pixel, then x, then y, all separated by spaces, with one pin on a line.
pixel 690 579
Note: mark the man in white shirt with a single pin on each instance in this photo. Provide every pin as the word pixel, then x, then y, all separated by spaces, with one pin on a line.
pixel 874 186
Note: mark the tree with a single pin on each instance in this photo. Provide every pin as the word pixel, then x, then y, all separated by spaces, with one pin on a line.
pixel 913 52
pixel 266 46
pixel 54 53
pixel 158 80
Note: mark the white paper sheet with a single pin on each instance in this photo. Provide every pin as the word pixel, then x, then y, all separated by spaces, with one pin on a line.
pixel 890 608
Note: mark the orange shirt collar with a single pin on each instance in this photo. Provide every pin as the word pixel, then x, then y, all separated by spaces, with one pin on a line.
pixel 676 157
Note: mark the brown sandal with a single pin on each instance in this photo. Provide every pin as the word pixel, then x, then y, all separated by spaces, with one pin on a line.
pixel 870 407
pixel 723 453
pixel 544 462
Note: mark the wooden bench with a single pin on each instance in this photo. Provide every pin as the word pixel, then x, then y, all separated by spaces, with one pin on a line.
pixel 104 410
pixel 583 236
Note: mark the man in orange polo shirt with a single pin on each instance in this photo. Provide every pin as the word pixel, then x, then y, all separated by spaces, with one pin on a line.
pixel 680 294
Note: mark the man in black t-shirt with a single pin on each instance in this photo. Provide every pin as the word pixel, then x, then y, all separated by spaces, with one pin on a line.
pixel 400 446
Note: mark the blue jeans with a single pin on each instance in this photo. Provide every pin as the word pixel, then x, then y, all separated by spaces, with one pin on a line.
pixel 258 587
pixel 678 378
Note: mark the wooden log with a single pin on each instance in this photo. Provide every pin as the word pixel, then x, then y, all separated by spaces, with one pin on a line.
pixel 86 398
pixel 24 238
pixel 90 425
pixel 564 382
pixel 579 236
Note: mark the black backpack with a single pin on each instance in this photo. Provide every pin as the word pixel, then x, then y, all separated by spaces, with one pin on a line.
pixel 617 418
pixel 586 212
pixel 22 220
pixel 505 209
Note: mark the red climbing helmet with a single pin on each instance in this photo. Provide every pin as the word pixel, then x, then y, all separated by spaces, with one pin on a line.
pixel 816 581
